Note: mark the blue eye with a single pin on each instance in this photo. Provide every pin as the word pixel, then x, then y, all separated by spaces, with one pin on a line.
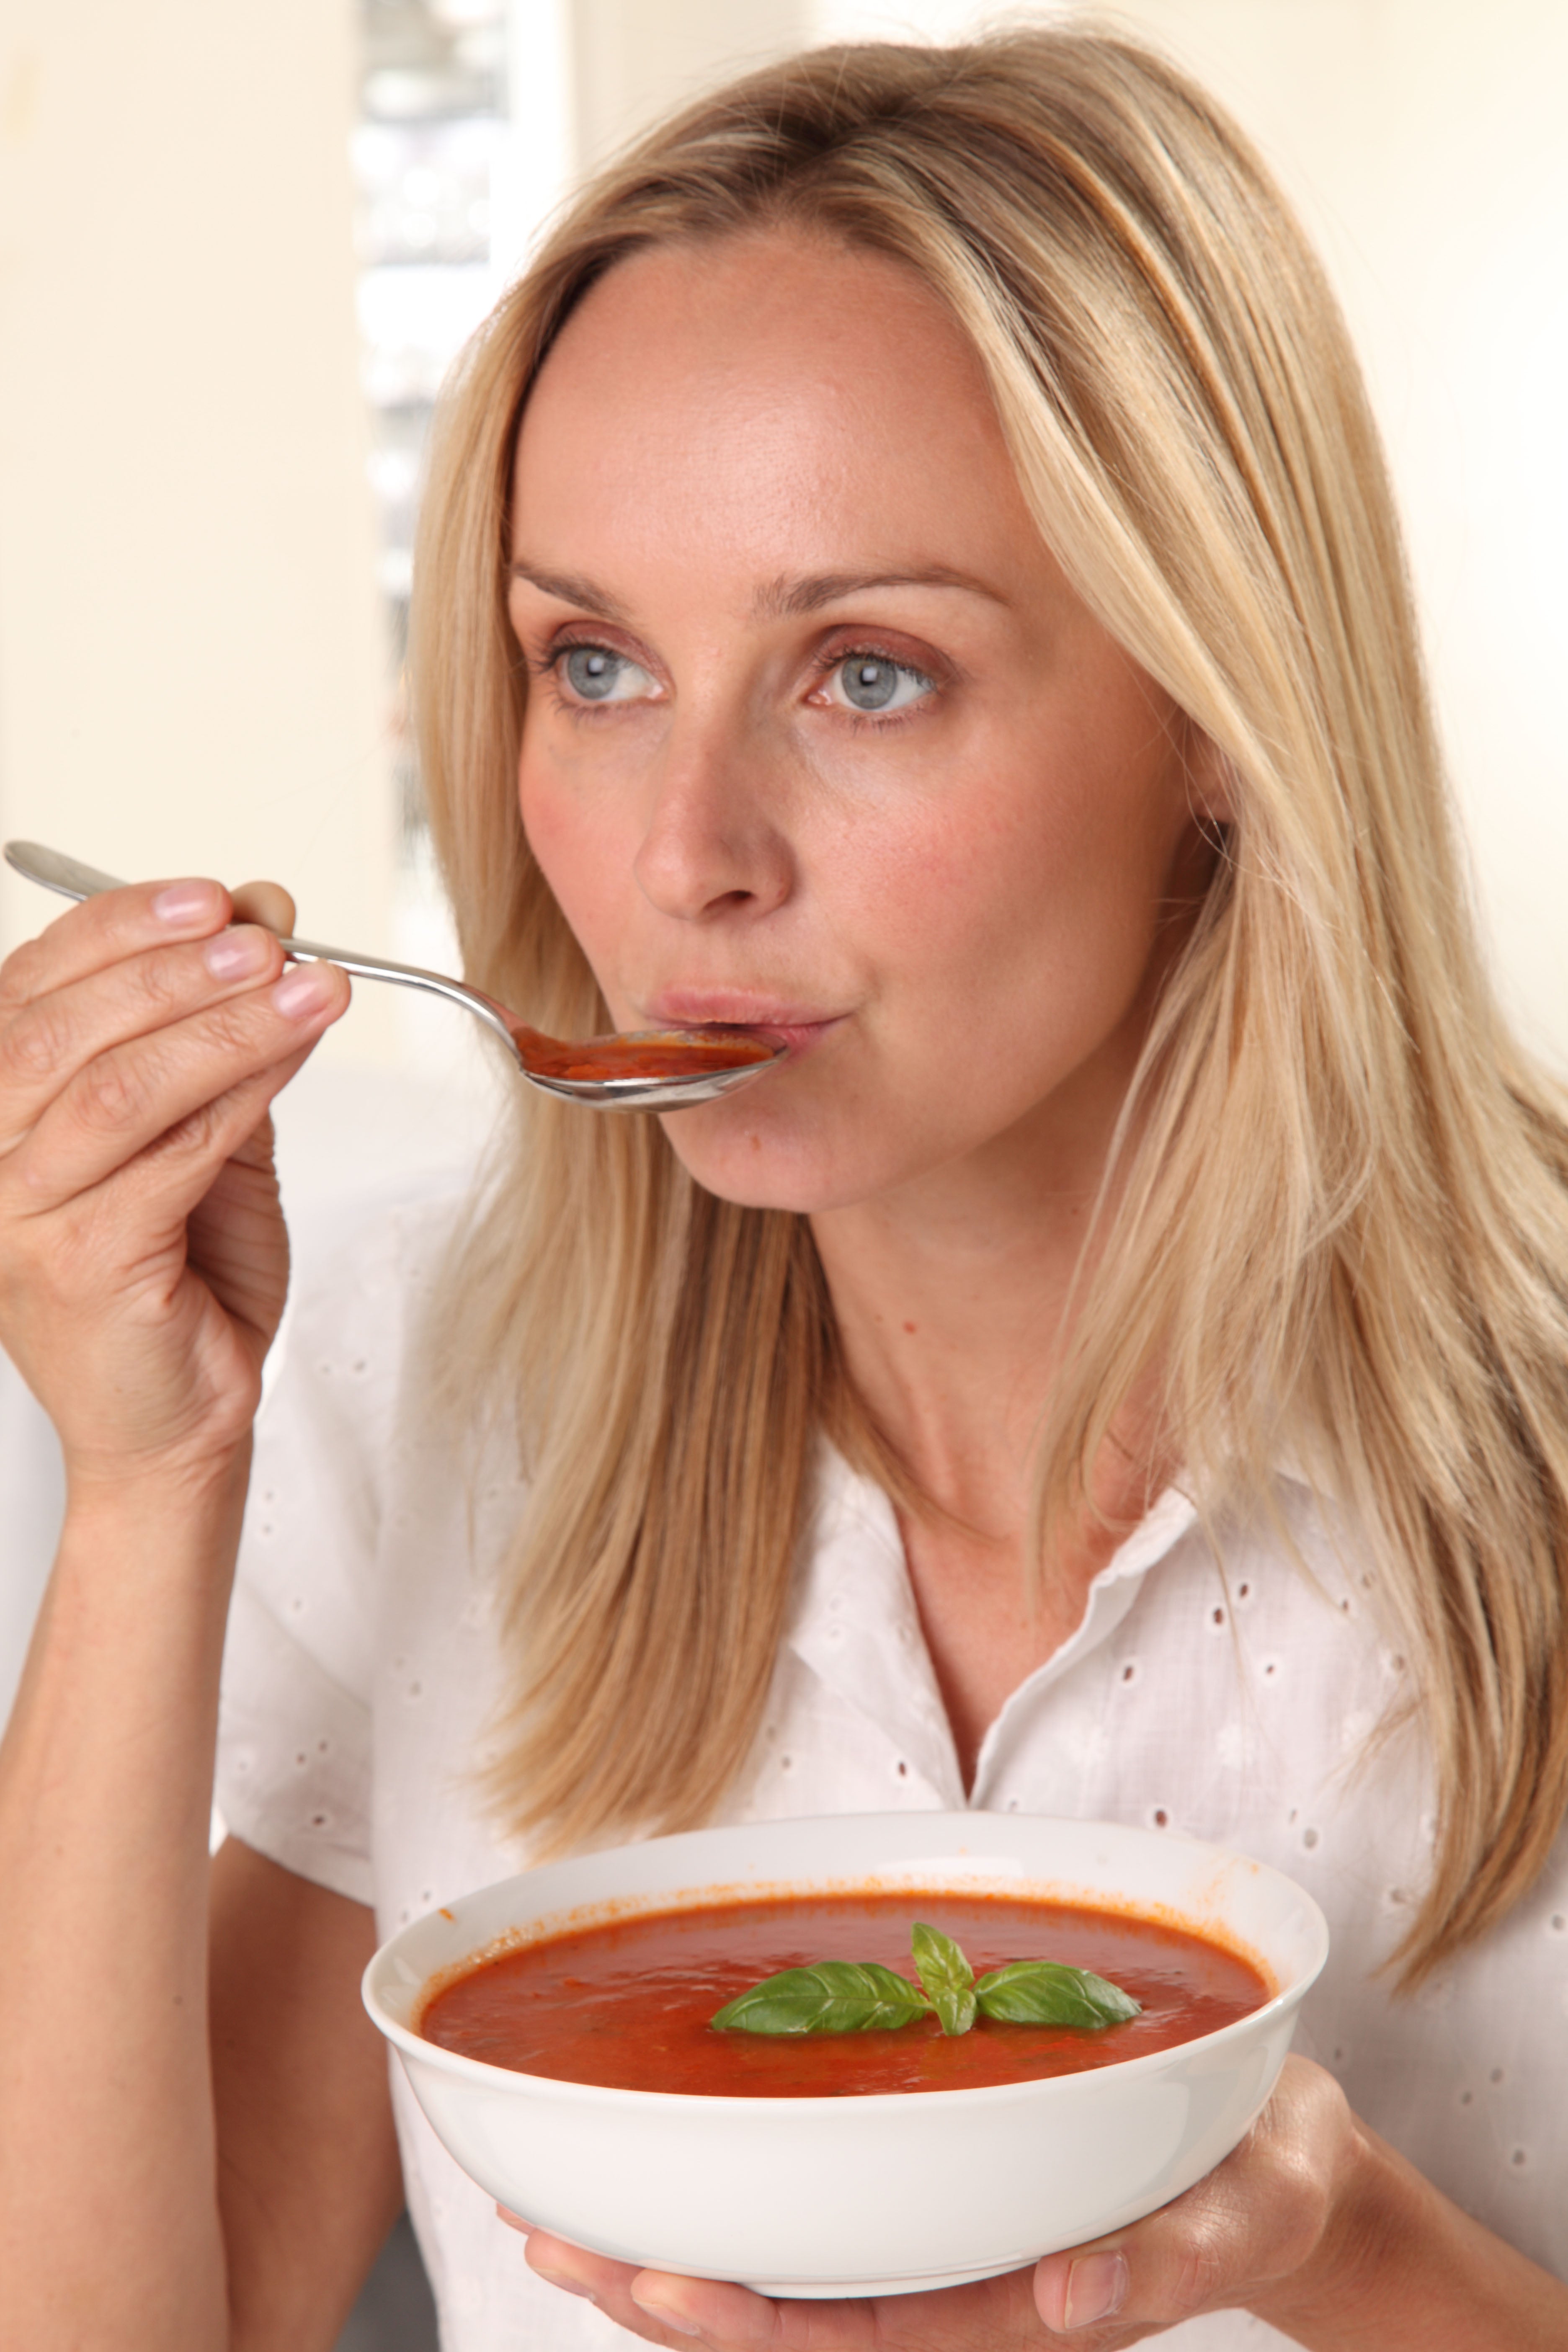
pixel 595 674
pixel 591 673
pixel 874 682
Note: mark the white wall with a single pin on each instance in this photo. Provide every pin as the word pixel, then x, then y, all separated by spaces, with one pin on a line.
pixel 193 672
pixel 191 663
pixel 635 60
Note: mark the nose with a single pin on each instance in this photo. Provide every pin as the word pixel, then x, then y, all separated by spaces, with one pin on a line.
pixel 714 842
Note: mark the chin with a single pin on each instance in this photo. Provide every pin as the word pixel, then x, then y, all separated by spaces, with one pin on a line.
pixel 767 1162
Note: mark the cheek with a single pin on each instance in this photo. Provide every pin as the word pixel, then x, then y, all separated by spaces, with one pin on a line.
pixel 1018 878
pixel 1021 930
pixel 575 845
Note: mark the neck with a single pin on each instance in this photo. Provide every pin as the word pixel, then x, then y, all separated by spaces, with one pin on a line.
pixel 955 1299
pixel 953 1306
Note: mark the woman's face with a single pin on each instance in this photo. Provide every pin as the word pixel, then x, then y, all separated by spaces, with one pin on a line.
pixel 819 738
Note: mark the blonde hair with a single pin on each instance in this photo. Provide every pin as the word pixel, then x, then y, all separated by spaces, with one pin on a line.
pixel 1340 1219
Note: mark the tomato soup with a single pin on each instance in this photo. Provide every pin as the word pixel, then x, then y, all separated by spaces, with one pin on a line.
pixel 679 1056
pixel 629 2004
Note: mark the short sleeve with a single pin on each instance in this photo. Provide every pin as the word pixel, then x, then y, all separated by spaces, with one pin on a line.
pixel 295 1725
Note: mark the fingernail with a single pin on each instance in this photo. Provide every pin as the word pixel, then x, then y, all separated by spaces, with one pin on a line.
pixel 1096 2286
pixel 233 952
pixel 675 2321
pixel 184 902
pixel 568 2285
pixel 302 994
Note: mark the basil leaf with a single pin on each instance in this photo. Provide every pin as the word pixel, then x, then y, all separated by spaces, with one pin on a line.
pixel 1045 1992
pixel 831 1997
pixel 946 1975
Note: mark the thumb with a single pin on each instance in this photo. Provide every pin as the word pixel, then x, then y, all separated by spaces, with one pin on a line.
pixel 267 903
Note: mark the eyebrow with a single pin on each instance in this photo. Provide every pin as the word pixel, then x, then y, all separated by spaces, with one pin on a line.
pixel 572 588
pixel 781 600
pixel 788 599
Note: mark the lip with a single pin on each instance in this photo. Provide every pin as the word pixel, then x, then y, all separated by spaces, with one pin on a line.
pixel 777 1020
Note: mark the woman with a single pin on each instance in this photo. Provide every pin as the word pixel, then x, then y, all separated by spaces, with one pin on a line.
pixel 909 569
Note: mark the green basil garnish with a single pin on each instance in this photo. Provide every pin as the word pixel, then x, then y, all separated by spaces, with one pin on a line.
pixel 1043 1992
pixel 863 1997
pixel 832 1997
pixel 947 1976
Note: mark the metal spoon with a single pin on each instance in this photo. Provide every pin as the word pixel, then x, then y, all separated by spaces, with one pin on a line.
pixel 736 1055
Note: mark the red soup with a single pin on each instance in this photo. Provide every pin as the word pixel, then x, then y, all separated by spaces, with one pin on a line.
pixel 630 2004
pixel 680 1054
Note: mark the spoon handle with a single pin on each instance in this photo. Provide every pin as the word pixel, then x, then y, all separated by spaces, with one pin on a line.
pixel 72 879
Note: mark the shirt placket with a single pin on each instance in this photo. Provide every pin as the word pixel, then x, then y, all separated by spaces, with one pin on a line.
pixel 857 1628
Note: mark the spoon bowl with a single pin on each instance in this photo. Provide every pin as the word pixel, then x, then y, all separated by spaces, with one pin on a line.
pixel 647 1069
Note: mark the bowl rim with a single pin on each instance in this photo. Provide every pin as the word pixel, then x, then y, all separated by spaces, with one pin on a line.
pixel 483 2074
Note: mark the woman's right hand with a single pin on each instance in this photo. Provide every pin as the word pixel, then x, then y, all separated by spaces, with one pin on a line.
pixel 144 1259
pixel 144 1265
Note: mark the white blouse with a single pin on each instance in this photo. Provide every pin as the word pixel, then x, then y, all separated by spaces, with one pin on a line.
pixel 1225 1697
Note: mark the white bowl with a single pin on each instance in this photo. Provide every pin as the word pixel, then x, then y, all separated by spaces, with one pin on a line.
pixel 889 2192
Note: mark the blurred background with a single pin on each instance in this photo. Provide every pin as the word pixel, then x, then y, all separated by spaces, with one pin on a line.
pixel 238 248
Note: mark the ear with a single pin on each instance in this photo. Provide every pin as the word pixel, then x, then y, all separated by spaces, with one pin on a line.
pixel 1210 779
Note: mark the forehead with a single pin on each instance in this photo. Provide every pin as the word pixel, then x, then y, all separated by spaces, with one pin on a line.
pixel 755 382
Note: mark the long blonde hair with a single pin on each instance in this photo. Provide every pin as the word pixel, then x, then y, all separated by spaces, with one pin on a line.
pixel 1340 1220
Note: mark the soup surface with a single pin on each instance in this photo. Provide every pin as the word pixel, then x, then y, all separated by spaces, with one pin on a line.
pixel 678 1055
pixel 628 2005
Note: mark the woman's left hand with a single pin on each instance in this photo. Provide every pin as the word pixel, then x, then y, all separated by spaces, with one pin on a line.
pixel 1269 2231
